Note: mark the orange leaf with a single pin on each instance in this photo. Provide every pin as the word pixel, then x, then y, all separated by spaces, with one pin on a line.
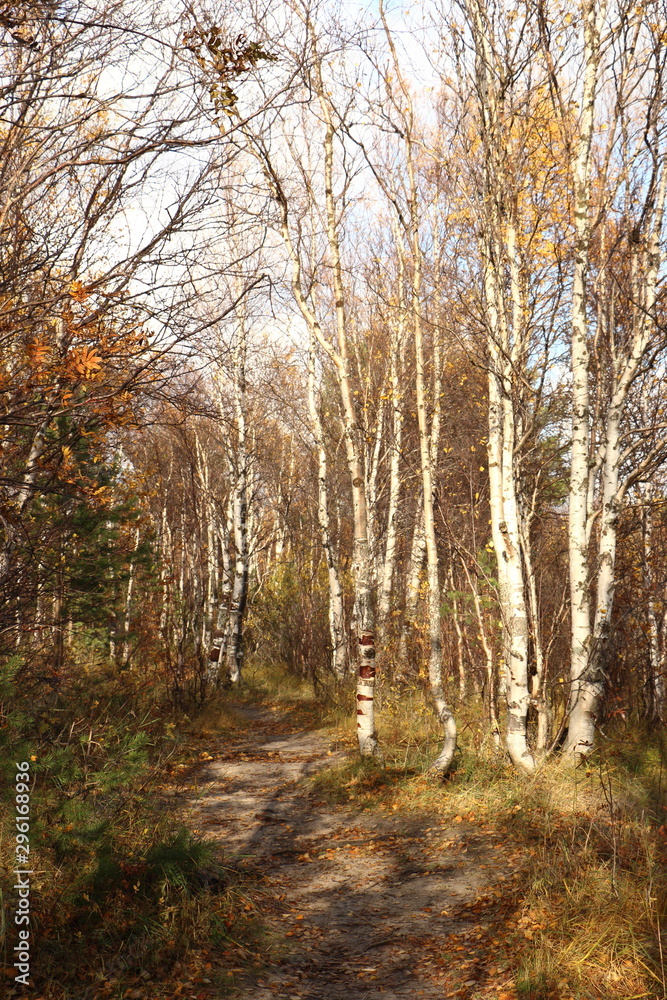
pixel 38 352
pixel 78 291
pixel 86 361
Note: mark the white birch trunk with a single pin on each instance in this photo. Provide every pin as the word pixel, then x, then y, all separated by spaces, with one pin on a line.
pixel 362 571
pixel 166 557
pixel 507 351
pixel 456 618
pixel 413 584
pixel 444 760
pixel 279 525
pixel 361 561
pixel 336 614
pixel 656 678
pixel 585 686
pixel 239 587
pixel 371 465
pixel 240 515
pixel 506 538
pixel 220 641
pixel 209 555
pixel 518 697
pixel 428 443
pixel 128 601
pixel 397 345
pixel 660 681
pixel 538 690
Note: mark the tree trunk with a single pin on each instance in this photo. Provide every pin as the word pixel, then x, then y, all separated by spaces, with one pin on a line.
pixel 460 658
pixel 336 613
pixel 656 680
pixel 538 687
pixel 397 344
pixel 585 685
pixel 128 602
pixel 220 640
pixel 488 653
pixel 428 441
pixel 506 336
pixel 362 570
pixel 240 515
pixel 413 585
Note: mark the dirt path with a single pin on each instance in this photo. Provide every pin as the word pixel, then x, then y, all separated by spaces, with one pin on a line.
pixel 367 905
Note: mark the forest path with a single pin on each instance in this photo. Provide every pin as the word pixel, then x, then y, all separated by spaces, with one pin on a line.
pixel 360 904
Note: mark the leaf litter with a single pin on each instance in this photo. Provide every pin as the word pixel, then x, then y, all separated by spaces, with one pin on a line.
pixel 436 905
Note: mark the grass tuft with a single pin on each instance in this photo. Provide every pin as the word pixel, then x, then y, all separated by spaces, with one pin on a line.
pixel 122 892
pixel 588 920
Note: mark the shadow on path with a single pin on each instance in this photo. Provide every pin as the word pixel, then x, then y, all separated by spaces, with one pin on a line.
pixel 364 905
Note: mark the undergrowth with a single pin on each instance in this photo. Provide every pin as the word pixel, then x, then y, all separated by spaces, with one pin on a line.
pixel 123 897
pixel 590 917
pixel 129 903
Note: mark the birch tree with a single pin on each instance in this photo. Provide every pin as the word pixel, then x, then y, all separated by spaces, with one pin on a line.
pixel 656 605
pixel 402 107
pixel 618 198
pixel 397 334
pixel 240 462
pixel 507 344
pixel 322 183
pixel 336 611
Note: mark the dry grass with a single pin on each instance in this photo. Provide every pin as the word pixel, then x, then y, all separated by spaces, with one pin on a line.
pixel 123 897
pixel 594 897
pixel 593 893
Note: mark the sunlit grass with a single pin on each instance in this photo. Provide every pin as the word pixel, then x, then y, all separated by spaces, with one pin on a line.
pixel 592 897
pixel 594 890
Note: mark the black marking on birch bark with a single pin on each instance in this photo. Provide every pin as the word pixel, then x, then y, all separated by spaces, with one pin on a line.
pixel 360 711
pixel 366 639
pixel 357 482
pixel 367 671
pixel 364 697
pixel 214 655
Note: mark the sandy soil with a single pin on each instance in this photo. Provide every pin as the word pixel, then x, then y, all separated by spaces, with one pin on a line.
pixel 366 905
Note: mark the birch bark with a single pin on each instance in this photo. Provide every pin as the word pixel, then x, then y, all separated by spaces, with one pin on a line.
pixel 362 569
pixel 239 593
pixel 361 565
pixel 456 618
pixel 220 642
pixel 656 678
pixel 585 679
pixel 336 612
pixel 128 600
pixel 539 679
pixel 396 396
pixel 428 437
pixel 413 584
pixel 507 352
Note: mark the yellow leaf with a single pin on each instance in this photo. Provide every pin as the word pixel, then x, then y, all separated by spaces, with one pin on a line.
pixel 78 291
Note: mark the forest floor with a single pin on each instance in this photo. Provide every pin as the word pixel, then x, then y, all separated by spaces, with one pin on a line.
pixel 244 851
pixel 355 902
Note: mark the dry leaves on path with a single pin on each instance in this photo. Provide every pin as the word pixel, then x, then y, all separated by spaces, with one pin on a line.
pixel 355 904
